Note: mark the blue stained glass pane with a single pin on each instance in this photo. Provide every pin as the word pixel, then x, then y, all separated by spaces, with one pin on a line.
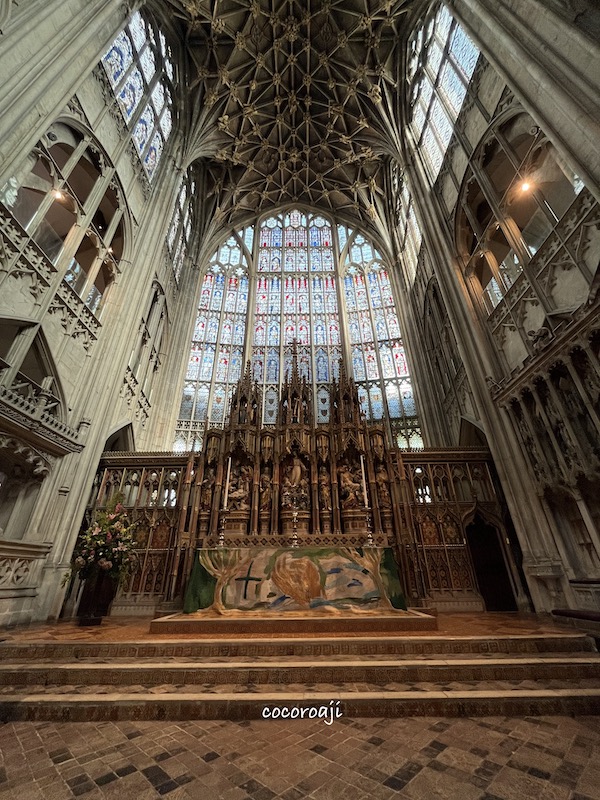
pixel 272 366
pixel 371 362
pixel 207 363
pixel 130 95
pixel 138 30
pixel 217 409
pixel 374 289
pixel 187 403
pixel 201 403
pixel 400 359
pixel 144 128
pixel 392 323
pixel 148 63
pixel 212 329
pixel 342 236
pixel 358 365
pixel 235 372
pixel 273 333
pixel 393 401
pixel 453 89
pixel 408 403
pixel 354 330
pixel 319 331
pixel 257 367
pixel 153 155
pixel 380 327
pixel 222 366
pixel 166 122
pixel 259 332
pixel 376 402
pixel 238 333
pixel 118 58
pixel 226 331
pixel 304 369
pixel 387 362
pixel 322 367
pixel 464 51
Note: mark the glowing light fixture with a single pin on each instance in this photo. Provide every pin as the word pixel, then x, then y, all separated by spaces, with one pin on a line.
pixel 525 186
pixel 57 194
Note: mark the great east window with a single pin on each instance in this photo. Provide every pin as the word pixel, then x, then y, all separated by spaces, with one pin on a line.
pixel 297 283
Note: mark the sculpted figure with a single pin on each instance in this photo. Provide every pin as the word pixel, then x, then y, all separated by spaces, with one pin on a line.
pixel 350 488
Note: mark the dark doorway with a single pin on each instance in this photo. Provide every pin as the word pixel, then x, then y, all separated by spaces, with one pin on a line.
pixel 490 567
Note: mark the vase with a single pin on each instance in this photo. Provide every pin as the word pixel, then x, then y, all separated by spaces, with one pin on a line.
pixel 98 593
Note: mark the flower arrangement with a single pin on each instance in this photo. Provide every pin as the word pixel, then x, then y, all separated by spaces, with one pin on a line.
pixel 108 544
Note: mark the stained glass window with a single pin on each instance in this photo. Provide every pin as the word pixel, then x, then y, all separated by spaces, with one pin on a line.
pixel 180 229
pixel 379 364
pixel 297 296
pixel 409 232
pixel 139 69
pixel 441 61
pixel 216 354
pixel 296 302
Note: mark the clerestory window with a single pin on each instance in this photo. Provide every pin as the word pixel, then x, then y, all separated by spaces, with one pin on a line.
pixel 139 66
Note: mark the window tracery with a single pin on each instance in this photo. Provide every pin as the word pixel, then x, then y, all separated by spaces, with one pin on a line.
pixel 139 66
pixel 180 229
pixel 300 291
pixel 441 61
pixel 216 355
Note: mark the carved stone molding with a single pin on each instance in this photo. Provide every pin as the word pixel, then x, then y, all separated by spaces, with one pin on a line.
pixel 40 428
pixel 18 566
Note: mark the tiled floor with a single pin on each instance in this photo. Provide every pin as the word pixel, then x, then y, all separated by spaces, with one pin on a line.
pixel 552 758
pixel 137 629
pixel 483 758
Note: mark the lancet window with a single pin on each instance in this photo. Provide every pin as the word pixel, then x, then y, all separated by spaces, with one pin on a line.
pixel 216 355
pixel 441 61
pixel 407 225
pixel 379 364
pixel 180 229
pixel 304 276
pixel 139 66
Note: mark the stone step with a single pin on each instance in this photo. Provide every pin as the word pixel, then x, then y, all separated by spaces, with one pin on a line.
pixel 243 705
pixel 379 671
pixel 299 647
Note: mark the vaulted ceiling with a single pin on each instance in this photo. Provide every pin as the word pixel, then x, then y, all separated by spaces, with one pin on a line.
pixel 293 102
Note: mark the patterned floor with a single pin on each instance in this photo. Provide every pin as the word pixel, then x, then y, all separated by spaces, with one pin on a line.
pixel 552 758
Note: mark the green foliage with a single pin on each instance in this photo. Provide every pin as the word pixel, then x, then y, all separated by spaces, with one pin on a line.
pixel 108 544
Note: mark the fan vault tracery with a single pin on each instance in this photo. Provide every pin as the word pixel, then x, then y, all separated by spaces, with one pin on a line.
pixel 293 102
